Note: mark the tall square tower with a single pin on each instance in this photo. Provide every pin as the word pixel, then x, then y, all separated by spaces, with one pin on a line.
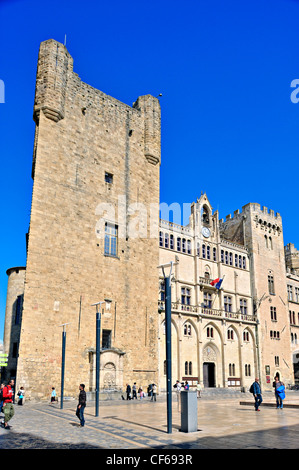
pixel 93 233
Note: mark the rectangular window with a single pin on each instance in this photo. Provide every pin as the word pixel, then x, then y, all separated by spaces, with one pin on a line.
pixel 207 300
pixel 290 293
pixel 178 247
pixel 108 178
pixel 106 339
pixel 111 235
pixel 185 296
pixel 271 285
pixel 171 242
pixel 243 306
pixel 227 303
pixel 166 240
pixel 161 239
pixel 297 294
pixel 273 313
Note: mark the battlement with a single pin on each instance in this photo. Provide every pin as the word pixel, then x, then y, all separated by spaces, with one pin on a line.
pixel 57 85
pixel 253 208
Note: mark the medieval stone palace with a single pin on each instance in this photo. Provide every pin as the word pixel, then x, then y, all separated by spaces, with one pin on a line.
pixel 95 236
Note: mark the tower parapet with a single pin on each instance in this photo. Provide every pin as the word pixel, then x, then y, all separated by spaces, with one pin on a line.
pixel 54 62
pixel 150 108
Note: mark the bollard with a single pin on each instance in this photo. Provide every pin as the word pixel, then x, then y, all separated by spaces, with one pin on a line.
pixel 188 411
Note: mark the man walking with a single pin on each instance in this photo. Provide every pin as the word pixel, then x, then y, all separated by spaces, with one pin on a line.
pixel 81 405
pixel 257 393
pixel 8 403
pixel 128 392
pixel 134 388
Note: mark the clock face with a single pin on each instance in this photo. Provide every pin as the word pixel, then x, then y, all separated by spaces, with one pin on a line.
pixel 206 232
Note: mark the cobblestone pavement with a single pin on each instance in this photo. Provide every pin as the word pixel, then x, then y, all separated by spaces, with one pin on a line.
pixel 222 424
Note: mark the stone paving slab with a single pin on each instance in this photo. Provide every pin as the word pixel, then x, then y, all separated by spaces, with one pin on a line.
pixel 222 424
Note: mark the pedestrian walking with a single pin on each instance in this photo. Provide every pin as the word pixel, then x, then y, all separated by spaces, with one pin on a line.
pixel 178 387
pixel 134 389
pixel 8 397
pixel 186 386
pixel 255 389
pixel 198 389
pixel 21 395
pixel 141 394
pixel 81 405
pixel 128 392
pixel 53 395
pixel 154 393
pixel 150 390
pixel 279 392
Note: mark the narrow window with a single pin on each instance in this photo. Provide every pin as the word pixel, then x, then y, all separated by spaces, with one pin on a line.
pixel 161 237
pixel 171 242
pixel 178 244
pixel 166 240
pixel 271 285
pixel 108 178
pixel 106 339
pixel 111 235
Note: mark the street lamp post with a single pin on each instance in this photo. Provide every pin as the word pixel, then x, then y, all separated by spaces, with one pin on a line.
pixel 63 363
pixel 167 281
pixel 98 349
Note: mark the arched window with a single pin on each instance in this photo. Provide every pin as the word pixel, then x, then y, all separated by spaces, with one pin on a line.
pixel 205 218
pixel 187 329
pixel 230 333
pixel 246 336
pixel 210 332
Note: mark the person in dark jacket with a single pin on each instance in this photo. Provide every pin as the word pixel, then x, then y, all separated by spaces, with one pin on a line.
pixel 257 393
pixel 81 405
pixel 128 391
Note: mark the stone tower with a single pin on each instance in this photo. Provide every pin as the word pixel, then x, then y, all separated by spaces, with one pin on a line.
pixel 260 231
pixel 93 233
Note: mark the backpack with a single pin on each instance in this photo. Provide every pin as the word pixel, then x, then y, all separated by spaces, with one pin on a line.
pixel 251 389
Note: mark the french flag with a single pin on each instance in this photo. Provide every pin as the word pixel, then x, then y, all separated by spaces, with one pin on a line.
pixel 217 283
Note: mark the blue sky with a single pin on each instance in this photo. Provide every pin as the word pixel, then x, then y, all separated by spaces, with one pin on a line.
pixel 224 68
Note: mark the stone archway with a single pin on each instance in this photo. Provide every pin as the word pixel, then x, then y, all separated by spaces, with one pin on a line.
pixel 210 364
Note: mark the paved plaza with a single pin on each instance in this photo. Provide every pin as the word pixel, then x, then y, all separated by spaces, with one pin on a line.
pixel 223 423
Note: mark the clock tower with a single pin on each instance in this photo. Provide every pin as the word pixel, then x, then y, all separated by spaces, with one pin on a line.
pixel 206 243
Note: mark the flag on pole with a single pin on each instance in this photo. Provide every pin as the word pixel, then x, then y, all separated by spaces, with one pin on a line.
pixel 217 283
